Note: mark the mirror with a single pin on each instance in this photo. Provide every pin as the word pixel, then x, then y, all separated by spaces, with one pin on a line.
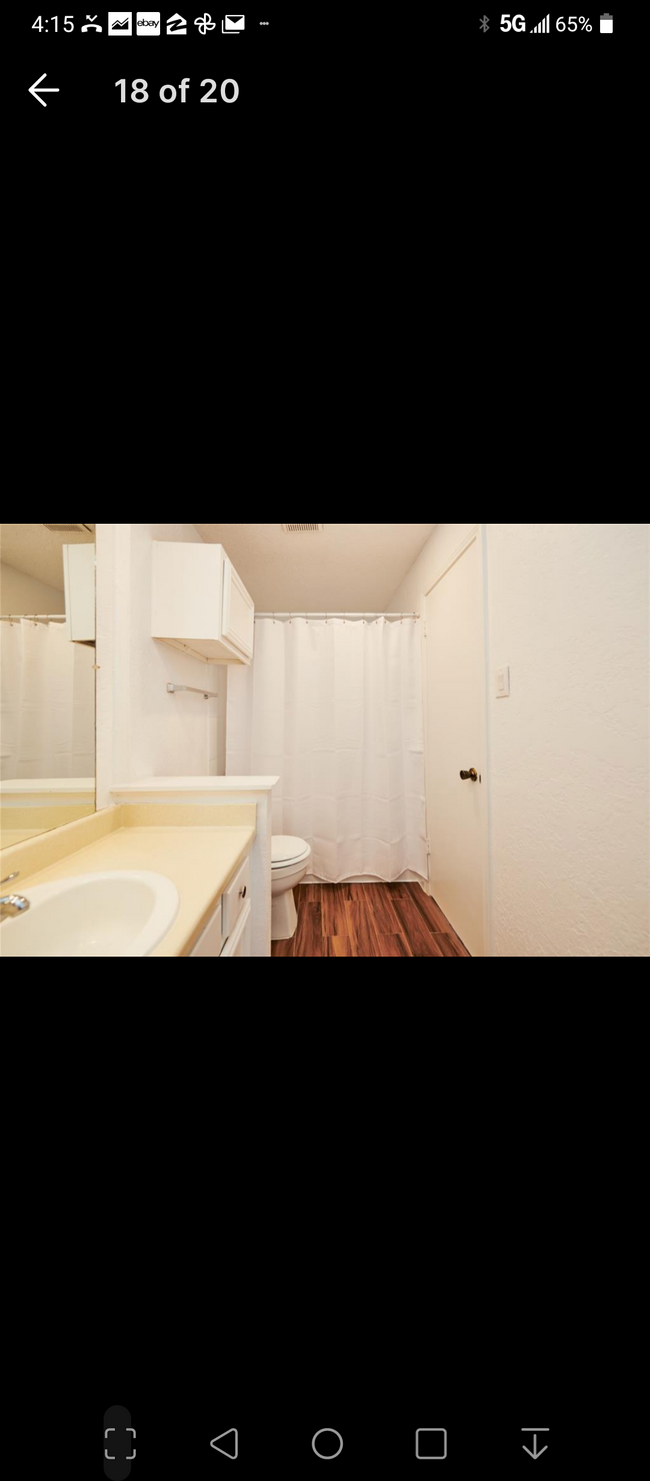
pixel 47 678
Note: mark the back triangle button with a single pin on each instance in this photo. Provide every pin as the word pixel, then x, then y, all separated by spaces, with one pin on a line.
pixel 227 1444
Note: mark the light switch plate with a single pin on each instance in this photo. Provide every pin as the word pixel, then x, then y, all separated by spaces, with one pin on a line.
pixel 503 683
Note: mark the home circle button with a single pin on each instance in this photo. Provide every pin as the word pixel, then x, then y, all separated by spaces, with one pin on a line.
pixel 327 1444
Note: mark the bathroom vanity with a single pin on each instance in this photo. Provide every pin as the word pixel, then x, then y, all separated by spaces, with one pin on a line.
pixel 221 802
pixel 101 865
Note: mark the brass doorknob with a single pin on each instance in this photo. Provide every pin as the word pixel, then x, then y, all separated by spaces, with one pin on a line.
pixel 469 776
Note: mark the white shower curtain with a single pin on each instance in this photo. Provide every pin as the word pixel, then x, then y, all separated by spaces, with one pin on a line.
pixel 47 699
pixel 335 709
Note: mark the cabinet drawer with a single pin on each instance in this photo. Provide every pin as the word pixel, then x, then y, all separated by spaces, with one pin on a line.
pixel 235 898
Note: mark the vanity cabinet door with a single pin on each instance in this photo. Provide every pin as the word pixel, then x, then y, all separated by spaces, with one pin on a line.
pixel 239 944
pixel 235 898
pixel 211 942
pixel 229 931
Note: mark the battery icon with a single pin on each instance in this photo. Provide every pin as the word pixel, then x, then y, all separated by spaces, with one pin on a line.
pixel 606 23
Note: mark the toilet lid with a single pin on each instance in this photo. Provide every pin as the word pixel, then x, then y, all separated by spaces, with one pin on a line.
pixel 286 850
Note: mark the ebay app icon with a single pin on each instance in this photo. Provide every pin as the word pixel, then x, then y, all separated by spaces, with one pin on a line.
pixel 148 23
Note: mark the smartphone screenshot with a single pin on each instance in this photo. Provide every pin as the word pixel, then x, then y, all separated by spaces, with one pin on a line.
pixel 392 1282
pixel 125 76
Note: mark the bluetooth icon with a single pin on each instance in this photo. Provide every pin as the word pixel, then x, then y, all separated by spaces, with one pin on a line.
pixel 485 24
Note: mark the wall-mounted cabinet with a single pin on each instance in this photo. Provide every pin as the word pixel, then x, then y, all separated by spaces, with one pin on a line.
pixel 79 581
pixel 200 604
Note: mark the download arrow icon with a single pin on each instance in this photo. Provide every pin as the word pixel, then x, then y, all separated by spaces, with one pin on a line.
pixel 36 91
pixel 535 1453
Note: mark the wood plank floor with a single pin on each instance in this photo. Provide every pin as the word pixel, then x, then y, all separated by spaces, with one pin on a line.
pixel 369 920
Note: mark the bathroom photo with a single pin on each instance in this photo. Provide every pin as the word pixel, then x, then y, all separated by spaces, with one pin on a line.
pixel 324 740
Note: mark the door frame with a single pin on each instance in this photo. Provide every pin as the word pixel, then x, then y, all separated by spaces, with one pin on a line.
pixel 477 534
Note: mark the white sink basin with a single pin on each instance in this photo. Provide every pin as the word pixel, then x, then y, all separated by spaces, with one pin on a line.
pixel 122 913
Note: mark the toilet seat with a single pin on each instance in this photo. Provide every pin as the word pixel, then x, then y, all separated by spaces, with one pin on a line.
pixel 286 851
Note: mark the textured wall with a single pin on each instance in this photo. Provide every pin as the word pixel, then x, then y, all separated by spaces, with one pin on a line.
pixel 569 759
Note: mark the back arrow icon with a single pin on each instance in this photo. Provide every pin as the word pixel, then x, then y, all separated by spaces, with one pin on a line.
pixel 35 90
pixel 535 1452
pixel 232 1439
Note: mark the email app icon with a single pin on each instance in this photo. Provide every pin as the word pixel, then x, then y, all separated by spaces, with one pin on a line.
pixel 233 24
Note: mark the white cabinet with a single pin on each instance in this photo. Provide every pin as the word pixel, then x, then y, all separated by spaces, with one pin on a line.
pixel 200 604
pixel 79 581
pixel 228 933
pixel 211 942
pixel 236 898
pixel 239 944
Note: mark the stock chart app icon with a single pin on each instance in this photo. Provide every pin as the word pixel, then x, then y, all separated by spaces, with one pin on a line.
pixel 120 23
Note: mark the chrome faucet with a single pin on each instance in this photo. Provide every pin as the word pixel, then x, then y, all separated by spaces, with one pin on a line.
pixel 12 905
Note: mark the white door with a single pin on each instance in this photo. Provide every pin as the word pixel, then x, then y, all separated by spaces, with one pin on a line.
pixel 456 731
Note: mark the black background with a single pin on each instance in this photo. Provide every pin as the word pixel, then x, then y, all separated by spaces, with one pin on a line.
pixel 366 1212
pixel 166 253
pixel 231 246
pixel 546 105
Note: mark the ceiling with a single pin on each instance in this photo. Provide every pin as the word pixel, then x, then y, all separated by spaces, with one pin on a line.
pixel 37 551
pixel 346 568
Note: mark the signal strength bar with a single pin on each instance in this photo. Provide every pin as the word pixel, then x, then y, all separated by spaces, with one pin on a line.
pixel 543 26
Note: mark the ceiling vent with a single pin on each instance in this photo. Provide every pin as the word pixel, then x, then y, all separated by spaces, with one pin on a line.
pixel 300 529
pixel 79 528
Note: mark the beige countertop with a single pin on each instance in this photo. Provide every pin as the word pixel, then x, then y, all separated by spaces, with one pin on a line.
pixel 200 861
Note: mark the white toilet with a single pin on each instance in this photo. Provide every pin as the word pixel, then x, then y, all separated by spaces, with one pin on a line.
pixel 290 859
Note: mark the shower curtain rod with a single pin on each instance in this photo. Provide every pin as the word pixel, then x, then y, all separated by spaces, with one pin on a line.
pixel 35 617
pixel 359 616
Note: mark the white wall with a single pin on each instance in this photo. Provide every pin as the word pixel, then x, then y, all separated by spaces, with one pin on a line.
pixel 142 730
pixel 23 596
pixel 569 760
pixel 439 549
